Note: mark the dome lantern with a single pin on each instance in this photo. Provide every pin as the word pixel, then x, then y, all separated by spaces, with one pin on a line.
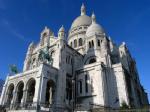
pixel 61 32
pixel 83 10
pixel 93 18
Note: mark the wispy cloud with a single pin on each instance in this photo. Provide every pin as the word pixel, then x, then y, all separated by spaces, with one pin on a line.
pixel 12 30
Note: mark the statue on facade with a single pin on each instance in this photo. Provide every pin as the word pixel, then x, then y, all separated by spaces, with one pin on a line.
pixel 13 69
pixel 45 56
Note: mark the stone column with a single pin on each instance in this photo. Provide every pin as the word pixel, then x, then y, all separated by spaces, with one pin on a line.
pixel 37 90
pixel 24 98
pixel 50 96
pixel 13 101
pixel 5 98
pixel 3 95
pixel 43 87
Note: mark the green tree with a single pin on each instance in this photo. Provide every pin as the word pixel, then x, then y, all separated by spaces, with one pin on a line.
pixel 124 105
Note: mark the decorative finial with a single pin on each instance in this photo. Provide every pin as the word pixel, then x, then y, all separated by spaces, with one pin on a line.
pixel 104 34
pixel 61 33
pixel 93 18
pixel 110 38
pixel 62 29
pixel 83 10
pixel 31 44
pixel 123 43
pixel 46 27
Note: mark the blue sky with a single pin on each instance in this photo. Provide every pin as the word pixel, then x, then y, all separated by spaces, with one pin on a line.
pixel 21 22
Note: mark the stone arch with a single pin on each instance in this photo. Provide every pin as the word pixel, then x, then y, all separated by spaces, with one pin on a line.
pixel 93 60
pixel 90 60
pixel 10 93
pixel 30 90
pixel 80 42
pixel 50 91
pixel 44 38
pixel 52 53
pixel 19 91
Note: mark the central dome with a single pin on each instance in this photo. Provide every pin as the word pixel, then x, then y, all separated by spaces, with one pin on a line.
pixel 81 20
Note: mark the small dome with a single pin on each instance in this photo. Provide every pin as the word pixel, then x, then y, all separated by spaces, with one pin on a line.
pixel 94 28
pixel 81 20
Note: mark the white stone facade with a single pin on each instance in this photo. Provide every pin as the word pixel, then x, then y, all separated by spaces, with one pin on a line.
pixel 87 69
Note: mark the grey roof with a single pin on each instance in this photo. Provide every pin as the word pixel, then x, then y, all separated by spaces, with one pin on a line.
pixel 81 20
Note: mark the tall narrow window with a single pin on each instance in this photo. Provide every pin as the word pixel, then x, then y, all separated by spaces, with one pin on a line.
pixel 68 87
pixel 89 44
pixel 86 83
pixel 80 42
pixel 92 43
pixel 80 86
pixel 75 43
pixel 98 42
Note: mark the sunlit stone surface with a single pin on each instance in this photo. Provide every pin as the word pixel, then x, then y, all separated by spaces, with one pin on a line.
pixel 86 70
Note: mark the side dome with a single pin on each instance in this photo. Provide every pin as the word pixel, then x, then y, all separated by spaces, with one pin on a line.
pixel 94 28
pixel 82 20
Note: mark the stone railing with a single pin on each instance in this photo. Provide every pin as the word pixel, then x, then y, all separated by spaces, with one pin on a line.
pixel 46 107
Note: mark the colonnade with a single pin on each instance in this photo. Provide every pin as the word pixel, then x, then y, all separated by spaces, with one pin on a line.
pixel 23 94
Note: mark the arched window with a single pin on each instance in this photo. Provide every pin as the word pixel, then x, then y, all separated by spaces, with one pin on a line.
pixel 30 90
pixel 19 92
pixel 50 90
pixel 98 42
pixel 92 43
pixel 80 42
pixel 44 34
pixel 75 43
pixel 89 44
pixel 93 60
pixel 10 93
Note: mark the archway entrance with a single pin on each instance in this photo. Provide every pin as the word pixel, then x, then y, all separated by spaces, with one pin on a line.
pixel 10 94
pixel 50 89
pixel 19 92
pixel 30 91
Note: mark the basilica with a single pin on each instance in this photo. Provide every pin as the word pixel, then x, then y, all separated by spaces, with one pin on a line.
pixel 79 70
